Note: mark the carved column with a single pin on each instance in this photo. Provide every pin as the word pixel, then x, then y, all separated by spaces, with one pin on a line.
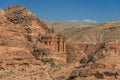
pixel 58 44
pixel 64 46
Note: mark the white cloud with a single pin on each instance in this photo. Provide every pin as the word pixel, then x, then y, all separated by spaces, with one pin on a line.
pixel 84 20
pixel 89 20
pixel 74 20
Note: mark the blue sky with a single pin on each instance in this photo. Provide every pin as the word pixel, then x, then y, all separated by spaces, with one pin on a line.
pixel 70 10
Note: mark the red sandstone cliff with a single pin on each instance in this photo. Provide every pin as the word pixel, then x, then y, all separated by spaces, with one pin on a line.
pixel 23 37
pixel 95 61
pixel 19 30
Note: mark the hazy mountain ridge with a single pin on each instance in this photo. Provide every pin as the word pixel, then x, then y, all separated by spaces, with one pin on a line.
pixel 107 32
pixel 61 25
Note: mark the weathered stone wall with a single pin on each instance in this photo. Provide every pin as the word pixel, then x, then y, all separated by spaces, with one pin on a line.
pixel 55 42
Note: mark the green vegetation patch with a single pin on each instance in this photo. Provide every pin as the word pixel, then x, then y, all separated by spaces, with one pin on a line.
pixel 6 74
pixel 99 75
pixel 110 74
pixel 83 60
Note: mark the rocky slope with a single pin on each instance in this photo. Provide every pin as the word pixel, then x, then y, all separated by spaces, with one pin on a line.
pixel 28 48
pixel 99 33
pixel 19 29
pixel 61 25
pixel 89 33
pixel 94 50
pixel 103 64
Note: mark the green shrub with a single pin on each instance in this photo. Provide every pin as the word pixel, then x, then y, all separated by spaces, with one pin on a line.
pixel 6 74
pixel 83 60
pixel 99 75
pixel 90 58
pixel 110 74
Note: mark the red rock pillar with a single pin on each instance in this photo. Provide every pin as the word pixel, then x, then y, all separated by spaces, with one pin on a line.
pixel 64 46
pixel 58 43
pixel 61 46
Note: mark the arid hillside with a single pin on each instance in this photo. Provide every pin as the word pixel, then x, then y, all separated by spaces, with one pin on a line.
pixel 62 25
pixel 19 31
pixel 28 48
pixel 91 33
pixel 93 50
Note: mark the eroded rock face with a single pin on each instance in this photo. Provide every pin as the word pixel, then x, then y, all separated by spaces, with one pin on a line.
pixel 20 31
pixel 19 15
pixel 77 50
pixel 14 44
pixel 103 64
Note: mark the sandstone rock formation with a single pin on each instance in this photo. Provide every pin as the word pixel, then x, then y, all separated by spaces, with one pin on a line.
pixel 20 37
pixel 27 41
pixel 102 62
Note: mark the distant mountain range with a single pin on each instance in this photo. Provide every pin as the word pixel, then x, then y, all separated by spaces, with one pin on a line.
pixel 87 32
pixel 62 25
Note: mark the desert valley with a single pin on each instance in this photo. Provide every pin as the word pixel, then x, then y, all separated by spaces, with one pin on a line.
pixel 32 49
